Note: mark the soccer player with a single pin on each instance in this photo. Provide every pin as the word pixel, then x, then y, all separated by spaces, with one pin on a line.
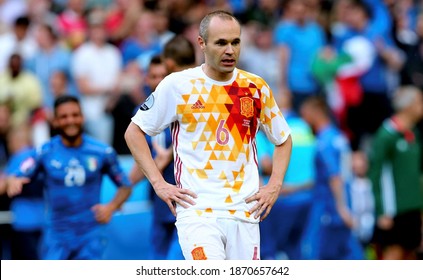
pixel 73 165
pixel 214 111
pixel 395 173
pixel 329 234
pixel 178 54
pixel 294 202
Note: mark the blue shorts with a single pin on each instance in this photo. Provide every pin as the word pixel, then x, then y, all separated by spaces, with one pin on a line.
pixel 89 246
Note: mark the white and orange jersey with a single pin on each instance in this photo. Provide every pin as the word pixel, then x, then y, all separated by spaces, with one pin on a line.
pixel 214 125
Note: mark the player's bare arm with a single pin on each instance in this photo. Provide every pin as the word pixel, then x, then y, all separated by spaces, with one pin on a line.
pixel 268 194
pixel 14 185
pixel 104 212
pixel 170 194
pixel 337 188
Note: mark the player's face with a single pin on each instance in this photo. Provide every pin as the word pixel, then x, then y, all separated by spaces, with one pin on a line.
pixel 222 48
pixel 69 120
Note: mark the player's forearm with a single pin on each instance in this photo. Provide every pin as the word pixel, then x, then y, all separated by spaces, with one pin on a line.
pixel 121 196
pixel 337 189
pixel 281 157
pixel 135 138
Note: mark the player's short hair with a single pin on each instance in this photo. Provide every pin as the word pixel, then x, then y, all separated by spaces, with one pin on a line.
pixel 180 50
pixel 205 22
pixel 65 99
pixel 404 96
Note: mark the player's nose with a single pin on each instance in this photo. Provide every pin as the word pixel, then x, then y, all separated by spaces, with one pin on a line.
pixel 229 49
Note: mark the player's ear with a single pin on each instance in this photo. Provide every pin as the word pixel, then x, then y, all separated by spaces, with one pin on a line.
pixel 201 42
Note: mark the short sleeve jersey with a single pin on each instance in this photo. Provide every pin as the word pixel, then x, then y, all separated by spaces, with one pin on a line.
pixel 73 178
pixel 214 125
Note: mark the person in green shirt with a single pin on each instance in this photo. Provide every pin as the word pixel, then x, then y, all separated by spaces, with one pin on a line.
pixel 395 173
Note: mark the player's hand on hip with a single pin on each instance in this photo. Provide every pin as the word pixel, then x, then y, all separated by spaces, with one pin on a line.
pixel 102 213
pixel 173 195
pixel 14 185
pixel 266 198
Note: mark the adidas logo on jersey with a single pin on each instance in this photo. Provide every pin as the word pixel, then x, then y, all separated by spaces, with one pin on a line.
pixel 198 105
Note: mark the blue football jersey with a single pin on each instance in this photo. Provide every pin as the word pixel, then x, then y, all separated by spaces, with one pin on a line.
pixel 333 158
pixel 73 178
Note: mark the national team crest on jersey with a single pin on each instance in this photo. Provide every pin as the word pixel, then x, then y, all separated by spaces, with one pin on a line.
pixel 198 254
pixel 92 164
pixel 247 106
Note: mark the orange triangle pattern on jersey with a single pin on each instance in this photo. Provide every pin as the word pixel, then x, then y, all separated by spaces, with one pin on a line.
pixel 221 112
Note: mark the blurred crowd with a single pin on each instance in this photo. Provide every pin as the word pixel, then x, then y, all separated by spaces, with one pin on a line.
pixel 354 54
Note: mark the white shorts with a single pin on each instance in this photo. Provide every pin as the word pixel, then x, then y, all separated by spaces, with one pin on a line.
pixel 204 238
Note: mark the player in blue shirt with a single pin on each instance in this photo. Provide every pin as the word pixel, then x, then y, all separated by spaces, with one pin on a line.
pixel 73 165
pixel 330 221
pixel 284 228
